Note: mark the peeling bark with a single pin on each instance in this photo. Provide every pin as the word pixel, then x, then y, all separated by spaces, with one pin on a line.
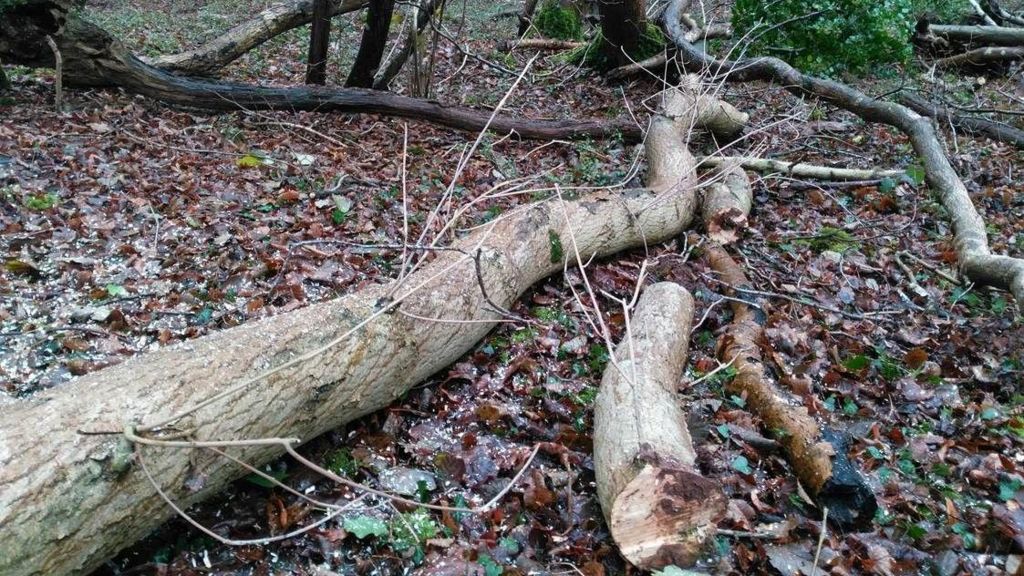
pixel 976 260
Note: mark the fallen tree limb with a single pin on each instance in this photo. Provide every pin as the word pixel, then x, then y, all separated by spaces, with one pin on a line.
pixel 660 510
pixel 699 108
pixel 982 57
pixel 976 260
pixel 980 35
pixel 207 59
pixel 970 124
pixel 818 457
pixel 1002 16
pixel 539 44
pixel 68 501
pixel 798 169
pixel 92 57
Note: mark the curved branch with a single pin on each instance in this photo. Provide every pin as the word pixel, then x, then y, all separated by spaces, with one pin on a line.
pixel 976 260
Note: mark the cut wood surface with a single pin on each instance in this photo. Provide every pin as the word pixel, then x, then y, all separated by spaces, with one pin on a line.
pixel 659 509
pixel 70 501
pixel 277 19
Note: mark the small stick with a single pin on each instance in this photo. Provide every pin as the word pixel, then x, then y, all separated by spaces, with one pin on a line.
pixel 59 72
pixel 821 540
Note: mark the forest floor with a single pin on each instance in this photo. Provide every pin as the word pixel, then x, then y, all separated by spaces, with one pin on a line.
pixel 126 225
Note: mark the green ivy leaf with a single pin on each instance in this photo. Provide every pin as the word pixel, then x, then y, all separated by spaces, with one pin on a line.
pixel 916 174
pixel 742 465
pixel 363 526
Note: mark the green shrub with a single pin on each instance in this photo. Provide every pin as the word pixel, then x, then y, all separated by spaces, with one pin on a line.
pixel 834 36
pixel 559 22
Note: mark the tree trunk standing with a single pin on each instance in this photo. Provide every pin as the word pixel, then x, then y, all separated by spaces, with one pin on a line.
pixel 371 48
pixel 421 13
pixel 526 16
pixel 622 24
pixel 319 42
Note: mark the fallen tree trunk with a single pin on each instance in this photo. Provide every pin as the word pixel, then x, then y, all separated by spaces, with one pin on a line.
pixel 971 124
pixel 818 457
pixel 976 260
pixel 279 18
pixel 659 509
pixel 980 35
pixel 93 58
pixel 69 501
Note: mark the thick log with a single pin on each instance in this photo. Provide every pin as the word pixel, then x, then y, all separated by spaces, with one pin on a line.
pixel 207 59
pixel 980 35
pixel 93 58
pixel 818 457
pixel 976 260
pixel 319 42
pixel 69 501
pixel 971 124
pixel 371 47
pixel 659 509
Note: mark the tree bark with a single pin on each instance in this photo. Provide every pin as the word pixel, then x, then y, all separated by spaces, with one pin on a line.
pixel 659 509
pixel 394 65
pixel 279 18
pixel 971 124
pixel 540 44
pixel 982 57
pixel 980 35
pixel 319 42
pixel 818 457
pixel 371 48
pixel 622 24
pixel 93 58
pixel 726 204
pixel 526 16
pixel 976 260
pixel 69 501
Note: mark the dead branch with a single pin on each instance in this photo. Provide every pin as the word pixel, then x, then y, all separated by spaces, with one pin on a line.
pixel 799 169
pixel 982 57
pixel 976 260
pixel 979 35
pixel 997 131
pixel 539 44
pixel 277 19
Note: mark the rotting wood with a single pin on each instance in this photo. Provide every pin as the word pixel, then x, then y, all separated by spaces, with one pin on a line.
pixel 660 510
pixel 726 204
pixel 969 236
pixel 818 456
